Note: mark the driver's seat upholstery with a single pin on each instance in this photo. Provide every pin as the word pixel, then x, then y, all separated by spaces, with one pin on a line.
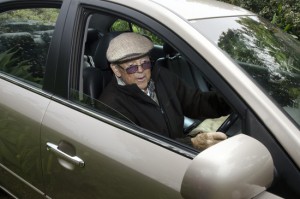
pixel 95 78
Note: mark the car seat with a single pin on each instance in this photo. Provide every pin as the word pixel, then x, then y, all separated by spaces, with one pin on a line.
pixel 98 73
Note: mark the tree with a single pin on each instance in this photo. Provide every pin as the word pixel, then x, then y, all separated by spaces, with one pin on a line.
pixel 283 13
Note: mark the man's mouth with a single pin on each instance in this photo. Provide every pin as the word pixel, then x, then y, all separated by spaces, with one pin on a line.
pixel 140 79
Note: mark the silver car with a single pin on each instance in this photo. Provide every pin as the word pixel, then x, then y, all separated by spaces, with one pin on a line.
pixel 57 140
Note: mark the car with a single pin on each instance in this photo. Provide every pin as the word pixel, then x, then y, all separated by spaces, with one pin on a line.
pixel 58 140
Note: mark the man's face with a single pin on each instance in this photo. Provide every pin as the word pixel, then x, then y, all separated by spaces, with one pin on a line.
pixel 134 72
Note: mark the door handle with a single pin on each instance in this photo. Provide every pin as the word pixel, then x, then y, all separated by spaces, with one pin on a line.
pixel 73 159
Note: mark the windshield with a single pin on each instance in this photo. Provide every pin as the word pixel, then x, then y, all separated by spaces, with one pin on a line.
pixel 271 57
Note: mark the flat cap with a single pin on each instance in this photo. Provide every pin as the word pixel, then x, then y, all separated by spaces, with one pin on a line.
pixel 128 46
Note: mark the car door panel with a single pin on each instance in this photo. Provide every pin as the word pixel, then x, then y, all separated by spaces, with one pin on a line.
pixel 117 164
pixel 21 115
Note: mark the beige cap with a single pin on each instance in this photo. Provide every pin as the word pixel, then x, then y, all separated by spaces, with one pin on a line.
pixel 128 46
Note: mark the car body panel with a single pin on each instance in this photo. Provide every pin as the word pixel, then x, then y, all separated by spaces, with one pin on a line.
pixel 21 114
pixel 202 9
pixel 110 155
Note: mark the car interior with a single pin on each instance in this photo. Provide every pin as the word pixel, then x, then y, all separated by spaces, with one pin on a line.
pixel 162 55
pixel 96 71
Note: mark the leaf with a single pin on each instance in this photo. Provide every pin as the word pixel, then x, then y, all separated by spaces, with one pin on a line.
pixel 287 27
pixel 274 19
pixel 6 58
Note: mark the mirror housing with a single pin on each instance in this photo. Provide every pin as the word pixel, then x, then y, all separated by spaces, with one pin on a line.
pixel 239 167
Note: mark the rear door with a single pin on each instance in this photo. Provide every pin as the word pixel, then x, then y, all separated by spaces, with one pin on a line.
pixel 26 33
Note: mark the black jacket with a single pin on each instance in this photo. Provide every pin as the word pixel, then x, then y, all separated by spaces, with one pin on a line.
pixel 175 98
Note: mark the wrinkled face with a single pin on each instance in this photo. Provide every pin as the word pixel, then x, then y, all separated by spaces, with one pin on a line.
pixel 134 72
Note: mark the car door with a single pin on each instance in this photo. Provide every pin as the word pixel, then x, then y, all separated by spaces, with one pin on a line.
pixel 90 154
pixel 25 36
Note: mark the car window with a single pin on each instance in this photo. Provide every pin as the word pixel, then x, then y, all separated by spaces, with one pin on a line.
pixel 96 74
pixel 25 36
pixel 95 69
pixel 269 56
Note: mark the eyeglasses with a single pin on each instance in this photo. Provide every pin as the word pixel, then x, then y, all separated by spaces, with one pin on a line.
pixel 133 68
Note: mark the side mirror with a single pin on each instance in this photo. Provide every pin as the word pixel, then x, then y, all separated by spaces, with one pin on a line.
pixel 239 167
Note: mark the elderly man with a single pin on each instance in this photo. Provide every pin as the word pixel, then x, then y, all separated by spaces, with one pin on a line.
pixel 153 97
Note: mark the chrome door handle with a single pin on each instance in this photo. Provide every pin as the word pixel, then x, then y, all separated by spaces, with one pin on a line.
pixel 73 159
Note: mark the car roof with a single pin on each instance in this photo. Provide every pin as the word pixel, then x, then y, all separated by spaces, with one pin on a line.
pixel 201 9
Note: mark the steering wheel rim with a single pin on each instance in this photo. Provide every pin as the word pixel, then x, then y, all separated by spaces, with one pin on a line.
pixel 228 123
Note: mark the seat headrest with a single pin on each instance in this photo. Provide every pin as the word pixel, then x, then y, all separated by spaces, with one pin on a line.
pixel 100 53
pixel 92 40
pixel 92 35
pixel 169 50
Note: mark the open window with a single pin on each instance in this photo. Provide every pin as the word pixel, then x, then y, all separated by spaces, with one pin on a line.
pixel 95 72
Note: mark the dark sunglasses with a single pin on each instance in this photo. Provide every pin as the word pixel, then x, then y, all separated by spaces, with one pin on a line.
pixel 133 68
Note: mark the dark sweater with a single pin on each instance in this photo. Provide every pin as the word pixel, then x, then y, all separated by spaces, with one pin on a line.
pixel 176 100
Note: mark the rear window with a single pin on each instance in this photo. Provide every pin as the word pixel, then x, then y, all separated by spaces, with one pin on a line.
pixel 25 36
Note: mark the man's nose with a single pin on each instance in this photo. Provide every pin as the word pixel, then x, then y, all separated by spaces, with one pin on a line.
pixel 140 68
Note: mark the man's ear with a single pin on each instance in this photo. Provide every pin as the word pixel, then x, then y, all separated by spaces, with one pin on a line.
pixel 115 69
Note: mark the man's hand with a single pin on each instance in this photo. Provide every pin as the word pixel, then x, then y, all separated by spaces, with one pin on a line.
pixel 204 140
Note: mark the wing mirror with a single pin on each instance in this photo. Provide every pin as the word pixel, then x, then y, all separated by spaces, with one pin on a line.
pixel 239 167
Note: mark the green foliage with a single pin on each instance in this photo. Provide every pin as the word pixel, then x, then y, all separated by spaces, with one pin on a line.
pixel 11 64
pixel 121 25
pixel 283 13
pixel 20 55
pixel 28 20
pixel 45 15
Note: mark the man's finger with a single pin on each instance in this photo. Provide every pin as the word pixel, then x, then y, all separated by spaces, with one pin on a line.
pixel 217 136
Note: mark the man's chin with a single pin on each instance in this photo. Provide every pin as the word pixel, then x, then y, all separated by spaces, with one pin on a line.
pixel 142 86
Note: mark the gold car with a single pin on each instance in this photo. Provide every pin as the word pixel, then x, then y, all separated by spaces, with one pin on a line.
pixel 57 140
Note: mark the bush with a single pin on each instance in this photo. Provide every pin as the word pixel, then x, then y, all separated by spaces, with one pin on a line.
pixel 283 13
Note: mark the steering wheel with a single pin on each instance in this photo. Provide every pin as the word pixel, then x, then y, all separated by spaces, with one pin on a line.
pixel 228 123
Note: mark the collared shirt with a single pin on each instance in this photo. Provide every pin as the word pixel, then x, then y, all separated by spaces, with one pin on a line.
pixel 150 91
